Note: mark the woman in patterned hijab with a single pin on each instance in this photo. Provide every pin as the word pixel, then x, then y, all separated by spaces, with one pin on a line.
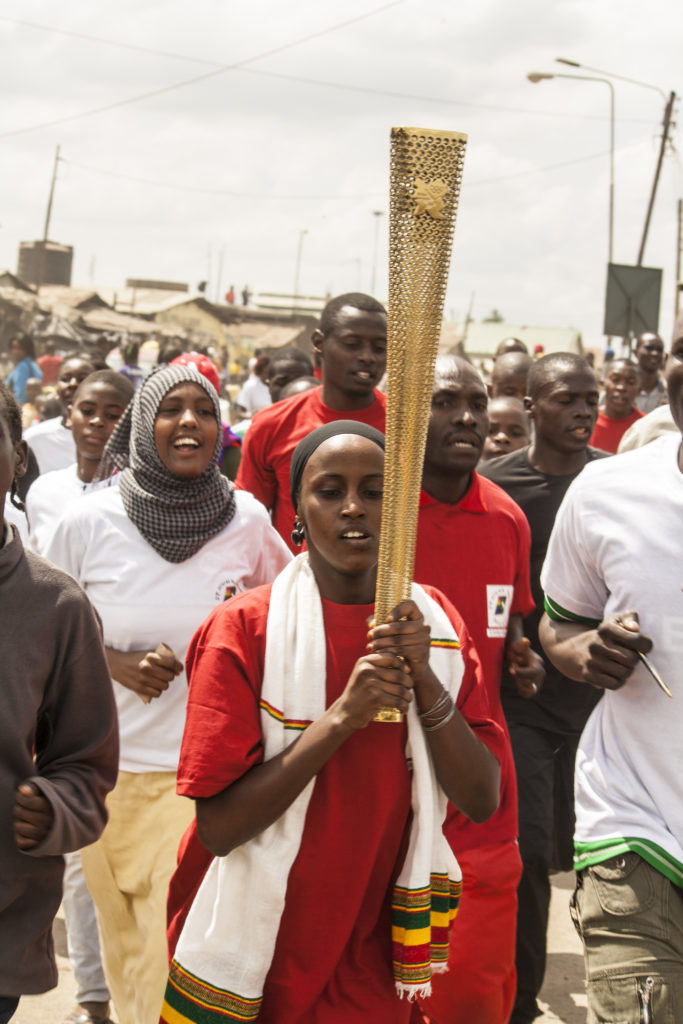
pixel 176 496
pixel 156 555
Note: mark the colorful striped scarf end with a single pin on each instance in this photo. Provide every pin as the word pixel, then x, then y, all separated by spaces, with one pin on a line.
pixel 189 1000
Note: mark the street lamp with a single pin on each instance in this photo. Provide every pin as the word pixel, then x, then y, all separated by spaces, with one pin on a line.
pixel 376 214
pixel 539 76
pixel 610 74
pixel 668 117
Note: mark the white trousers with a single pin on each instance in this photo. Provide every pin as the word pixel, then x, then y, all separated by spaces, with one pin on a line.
pixel 82 936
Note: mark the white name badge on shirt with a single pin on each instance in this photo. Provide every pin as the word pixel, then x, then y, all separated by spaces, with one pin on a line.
pixel 498 604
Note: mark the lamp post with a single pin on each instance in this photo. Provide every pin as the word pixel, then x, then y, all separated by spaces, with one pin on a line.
pixel 297 268
pixel 666 124
pixel 539 76
pixel 609 74
pixel 376 214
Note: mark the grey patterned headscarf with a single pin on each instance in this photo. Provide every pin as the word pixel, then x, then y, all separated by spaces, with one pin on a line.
pixel 175 516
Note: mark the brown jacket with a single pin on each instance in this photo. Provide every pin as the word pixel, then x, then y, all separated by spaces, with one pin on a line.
pixel 58 729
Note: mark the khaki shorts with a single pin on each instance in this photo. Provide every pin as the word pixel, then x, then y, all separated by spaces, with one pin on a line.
pixel 630 918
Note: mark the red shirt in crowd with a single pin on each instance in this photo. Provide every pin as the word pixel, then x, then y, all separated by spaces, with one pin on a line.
pixel 333 949
pixel 49 366
pixel 477 553
pixel 608 431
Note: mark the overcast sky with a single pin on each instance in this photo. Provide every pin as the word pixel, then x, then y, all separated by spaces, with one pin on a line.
pixel 283 127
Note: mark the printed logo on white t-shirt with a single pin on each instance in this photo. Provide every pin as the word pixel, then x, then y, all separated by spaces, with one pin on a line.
pixel 498 603
pixel 226 589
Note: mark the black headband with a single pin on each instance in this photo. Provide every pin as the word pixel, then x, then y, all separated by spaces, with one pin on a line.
pixel 312 441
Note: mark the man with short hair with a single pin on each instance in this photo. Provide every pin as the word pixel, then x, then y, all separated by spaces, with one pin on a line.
pixel 254 396
pixel 563 405
pixel 298 386
pixel 510 345
pixel 51 440
pixel 286 365
pixel 509 376
pixel 618 411
pixel 613 592
pixel 352 341
pixel 509 428
pixel 473 544
pixel 650 358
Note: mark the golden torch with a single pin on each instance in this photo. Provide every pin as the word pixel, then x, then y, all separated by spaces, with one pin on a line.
pixel 426 172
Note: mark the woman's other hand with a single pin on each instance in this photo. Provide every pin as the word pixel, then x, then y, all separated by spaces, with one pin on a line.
pixel 147 673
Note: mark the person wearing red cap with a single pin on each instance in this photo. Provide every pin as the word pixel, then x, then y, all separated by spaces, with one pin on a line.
pixel 203 364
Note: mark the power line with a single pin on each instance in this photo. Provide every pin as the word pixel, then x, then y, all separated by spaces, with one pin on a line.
pixel 208 191
pixel 198 189
pixel 110 42
pixel 241 66
pixel 208 74
pixel 447 101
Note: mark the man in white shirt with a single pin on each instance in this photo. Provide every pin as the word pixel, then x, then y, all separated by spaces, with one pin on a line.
pixel 613 592
pixel 51 441
pixel 254 394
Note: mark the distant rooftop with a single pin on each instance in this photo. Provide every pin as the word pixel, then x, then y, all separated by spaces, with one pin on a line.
pixel 482 339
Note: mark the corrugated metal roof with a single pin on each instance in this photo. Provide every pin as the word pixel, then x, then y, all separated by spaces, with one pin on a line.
pixel 73 298
pixel 111 320
pixel 144 301
pixel 482 339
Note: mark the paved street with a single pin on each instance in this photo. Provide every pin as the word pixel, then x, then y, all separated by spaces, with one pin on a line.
pixel 563 993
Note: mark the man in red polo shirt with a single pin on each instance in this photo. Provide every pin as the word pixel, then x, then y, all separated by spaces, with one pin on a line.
pixel 352 343
pixel 473 543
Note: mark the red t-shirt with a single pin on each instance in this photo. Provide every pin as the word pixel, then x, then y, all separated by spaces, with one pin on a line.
pixel 49 366
pixel 332 960
pixel 608 431
pixel 272 437
pixel 477 553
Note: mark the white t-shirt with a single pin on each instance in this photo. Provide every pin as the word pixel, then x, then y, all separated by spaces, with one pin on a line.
pixel 616 547
pixel 47 500
pixel 17 518
pixel 144 600
pixel 52 444
pixel 254 395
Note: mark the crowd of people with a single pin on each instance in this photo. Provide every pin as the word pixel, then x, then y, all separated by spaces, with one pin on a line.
pixel 188 612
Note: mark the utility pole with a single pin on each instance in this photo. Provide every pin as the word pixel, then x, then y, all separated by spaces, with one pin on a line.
pixel 46 230
pixel 217 293
pixel 376 214
pixel 679 249
pixel 668 112
pixel 297 267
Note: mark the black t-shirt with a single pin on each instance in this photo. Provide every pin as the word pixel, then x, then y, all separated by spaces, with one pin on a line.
pixel 562 705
